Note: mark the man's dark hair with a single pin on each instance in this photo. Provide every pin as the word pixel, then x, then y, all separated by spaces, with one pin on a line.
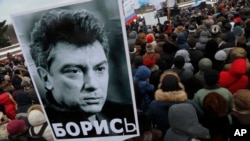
pixel 191 42
pixel 68 26
pixel 211 77
pixel 179 62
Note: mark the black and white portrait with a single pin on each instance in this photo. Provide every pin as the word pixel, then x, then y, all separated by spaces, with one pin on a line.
pixel 77 57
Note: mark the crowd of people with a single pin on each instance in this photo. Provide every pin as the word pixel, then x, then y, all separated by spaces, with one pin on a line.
pixel 21 114
pixel 191 74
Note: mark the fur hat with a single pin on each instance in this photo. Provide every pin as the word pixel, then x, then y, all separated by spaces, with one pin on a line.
pixel 15 127
pixel 215 29
pixel 191 29
pixel 165 77
pixel 35 115
pixel 215 105
pixel 220 55
pixel 242 100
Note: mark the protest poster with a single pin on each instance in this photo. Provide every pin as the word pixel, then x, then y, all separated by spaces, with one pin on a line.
pixel 77 56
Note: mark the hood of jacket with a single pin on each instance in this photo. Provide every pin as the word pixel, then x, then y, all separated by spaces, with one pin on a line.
pixel 184 53
pixel 181 38
pixel 170 96
pixel 184 123
pixel 142 73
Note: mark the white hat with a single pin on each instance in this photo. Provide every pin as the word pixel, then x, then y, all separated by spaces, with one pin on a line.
pixel 220 55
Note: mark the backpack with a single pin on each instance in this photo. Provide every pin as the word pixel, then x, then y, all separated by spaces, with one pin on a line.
pixel 39 135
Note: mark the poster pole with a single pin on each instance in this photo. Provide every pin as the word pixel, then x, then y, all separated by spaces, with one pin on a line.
pixel 168 10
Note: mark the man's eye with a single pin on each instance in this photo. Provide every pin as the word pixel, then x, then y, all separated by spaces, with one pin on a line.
pixel 73 70
pixel 100 69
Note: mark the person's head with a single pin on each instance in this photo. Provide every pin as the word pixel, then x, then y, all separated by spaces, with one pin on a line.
pixel 211 77
pixel 179 62
pixel 191 42
pixel 170 81
pixel 70 50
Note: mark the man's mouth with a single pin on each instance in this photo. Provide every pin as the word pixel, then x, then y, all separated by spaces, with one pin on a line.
pixel 92 100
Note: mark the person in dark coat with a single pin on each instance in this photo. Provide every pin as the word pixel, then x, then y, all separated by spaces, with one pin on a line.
pixel 166 58
pixel 146 89
pixel 170 91
pixel 195 54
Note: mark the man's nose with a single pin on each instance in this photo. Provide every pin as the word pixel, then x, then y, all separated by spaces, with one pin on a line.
pixel 90 81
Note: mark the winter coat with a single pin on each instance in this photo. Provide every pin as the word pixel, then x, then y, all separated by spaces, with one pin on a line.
pixel 235 77
pixel 195 56
pixel 182 41
pixel 158 111
pixel 203 65
pixel 202 40
pixel 200 95
pixel 9 104
pixel 145 88
pixel 24 101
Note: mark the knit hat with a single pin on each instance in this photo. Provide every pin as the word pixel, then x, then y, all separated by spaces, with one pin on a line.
pixel 132 38
pixel 237 31
pixel 242 100
pixel 150 38
pixel 204 34
pixel 15 127
pixel 220 55
pixel 35 115
pixel 205 64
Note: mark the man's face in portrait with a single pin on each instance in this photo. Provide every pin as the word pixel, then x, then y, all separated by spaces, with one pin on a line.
pixel 78 76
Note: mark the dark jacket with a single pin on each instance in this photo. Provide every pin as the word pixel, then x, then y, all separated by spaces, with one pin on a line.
pixel 158 111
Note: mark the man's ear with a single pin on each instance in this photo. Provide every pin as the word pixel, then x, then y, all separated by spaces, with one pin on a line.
pixel 45 77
